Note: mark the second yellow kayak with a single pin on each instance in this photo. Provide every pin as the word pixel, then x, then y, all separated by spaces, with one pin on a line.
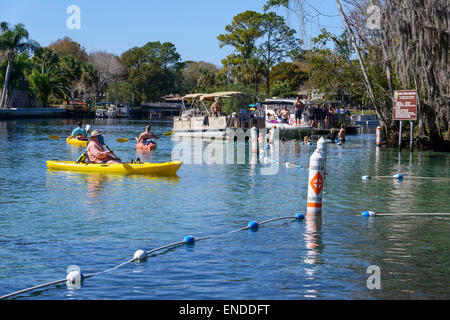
pixel 76 142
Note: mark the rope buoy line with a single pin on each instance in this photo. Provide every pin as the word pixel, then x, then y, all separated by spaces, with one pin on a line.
pixel 141 255
pixel 373 214
pixel 253 225
pixel 400 176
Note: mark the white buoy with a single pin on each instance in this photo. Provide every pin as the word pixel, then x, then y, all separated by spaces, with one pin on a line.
pixel 140 256
pixel 74 278
pixel 365 177
pixel 322 146
pixel 315 183
pixel 254 139
pixel 368 214
pixel 274 134
pixel 378 136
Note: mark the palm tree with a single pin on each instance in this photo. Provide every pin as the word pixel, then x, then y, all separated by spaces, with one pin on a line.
pixel 47 77
pixel 49 80
pixel 13 42
pixel 90 80
pixel 22 66
pixel 252 72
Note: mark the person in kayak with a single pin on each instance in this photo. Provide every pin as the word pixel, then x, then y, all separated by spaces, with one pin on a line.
pixel 146 137
pixel 79 133
pixel 96 152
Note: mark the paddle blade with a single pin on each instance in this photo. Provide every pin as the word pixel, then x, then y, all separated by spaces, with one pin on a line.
pixel 54 137
pixel 168 133
pixel 88 126
pixel 123 140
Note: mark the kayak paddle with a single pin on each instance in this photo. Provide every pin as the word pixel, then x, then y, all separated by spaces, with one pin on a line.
pixel 124 140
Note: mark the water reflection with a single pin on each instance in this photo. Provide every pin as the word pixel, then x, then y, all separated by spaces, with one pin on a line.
pixel 313 243
pixel 95 185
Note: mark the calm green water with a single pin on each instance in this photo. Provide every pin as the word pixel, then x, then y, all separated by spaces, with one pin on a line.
pixel 52 219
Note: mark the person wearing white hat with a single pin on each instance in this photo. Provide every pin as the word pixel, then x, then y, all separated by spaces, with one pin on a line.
pixel 96 152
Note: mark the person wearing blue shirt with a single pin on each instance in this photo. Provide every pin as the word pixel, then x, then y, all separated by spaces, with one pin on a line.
pixel 79 133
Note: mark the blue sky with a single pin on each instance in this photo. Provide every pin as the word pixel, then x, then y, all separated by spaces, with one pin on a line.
pixel 116 26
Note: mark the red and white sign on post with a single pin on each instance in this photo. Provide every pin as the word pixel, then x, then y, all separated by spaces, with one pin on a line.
pixel 405 105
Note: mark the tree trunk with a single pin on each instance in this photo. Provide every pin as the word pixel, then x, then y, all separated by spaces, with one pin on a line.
pixel 363 68
pixel 5 85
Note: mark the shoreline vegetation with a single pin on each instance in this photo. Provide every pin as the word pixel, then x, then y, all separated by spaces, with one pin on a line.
pixel 359 68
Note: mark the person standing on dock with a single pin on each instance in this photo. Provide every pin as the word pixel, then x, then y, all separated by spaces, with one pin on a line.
pixel 298 105
pixel 329 118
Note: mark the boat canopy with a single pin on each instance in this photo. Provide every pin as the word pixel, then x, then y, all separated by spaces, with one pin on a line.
pixel 193 96
pixel 279 101
pixel 225 94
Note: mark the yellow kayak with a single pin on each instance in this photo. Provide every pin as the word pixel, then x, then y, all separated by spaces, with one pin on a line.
pixel 163 169
pixel 76 142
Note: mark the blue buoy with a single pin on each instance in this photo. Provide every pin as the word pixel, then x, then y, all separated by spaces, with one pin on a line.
pixel 398 176
pixel 299 216
pixel 253 225
pixel 368 214
pixel 366 177
pixel 189 239
pixel 310 143
pixel 339 143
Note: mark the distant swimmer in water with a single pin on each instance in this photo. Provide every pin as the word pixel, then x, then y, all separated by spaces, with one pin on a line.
pixel 332 135
pixel 307 138
pixel 342 133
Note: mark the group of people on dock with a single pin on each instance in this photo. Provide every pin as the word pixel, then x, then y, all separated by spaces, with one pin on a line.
pixel 96 152
pixel 321 117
